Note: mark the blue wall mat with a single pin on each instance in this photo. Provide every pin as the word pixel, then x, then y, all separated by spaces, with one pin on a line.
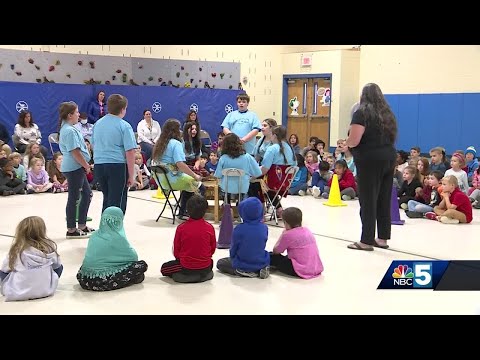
pixel 447 120
pixel 408 125
pixel 164 102
pixel 470 131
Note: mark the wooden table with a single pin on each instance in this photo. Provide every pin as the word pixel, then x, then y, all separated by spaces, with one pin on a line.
pixel 211 193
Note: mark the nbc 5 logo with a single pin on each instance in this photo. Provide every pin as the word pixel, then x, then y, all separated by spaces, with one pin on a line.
pixel 419 275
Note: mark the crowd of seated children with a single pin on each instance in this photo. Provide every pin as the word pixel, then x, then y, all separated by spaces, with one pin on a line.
pixel 38 180
pixel 9 183
pixel 59 181
pixel 299 182
pixel 427 198
pixel 455 206
pixel 346 182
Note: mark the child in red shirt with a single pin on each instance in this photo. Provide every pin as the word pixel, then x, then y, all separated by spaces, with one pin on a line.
pixel 346 182
pixel 455 206
pixel 193 246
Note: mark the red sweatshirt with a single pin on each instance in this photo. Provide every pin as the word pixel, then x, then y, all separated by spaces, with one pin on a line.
pixel 347 180
pixel 194 244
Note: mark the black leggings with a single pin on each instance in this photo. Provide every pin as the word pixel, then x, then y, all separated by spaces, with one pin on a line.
pixel 282 263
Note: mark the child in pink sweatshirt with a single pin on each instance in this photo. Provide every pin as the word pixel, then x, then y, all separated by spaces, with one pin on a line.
pixel 302 258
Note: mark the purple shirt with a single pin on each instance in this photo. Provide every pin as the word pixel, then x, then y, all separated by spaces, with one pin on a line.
pixel 40 179
pixel 302 249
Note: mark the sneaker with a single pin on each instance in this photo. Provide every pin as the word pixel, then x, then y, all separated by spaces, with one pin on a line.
pixel 250 274
pixel 430 215
pixel 414 214
pixel 404 206
pixel 447 220
pixel 472 200
pixel 316 192
pixel 309 191
pixel 477 205
pixel 301 193
pixel 87 230
pixel 325 195
pixel 77 234
pixel 265 272
pixel 346 198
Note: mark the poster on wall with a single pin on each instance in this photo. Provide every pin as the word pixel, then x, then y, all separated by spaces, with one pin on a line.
pixel 324 93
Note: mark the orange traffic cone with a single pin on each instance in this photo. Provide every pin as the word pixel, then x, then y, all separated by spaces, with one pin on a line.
pixel 334 198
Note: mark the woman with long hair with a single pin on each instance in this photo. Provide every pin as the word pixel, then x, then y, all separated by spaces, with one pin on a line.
pixel 75 167
pixel 97 108
pixel 168 151
pixel 372 136
pixel 148 131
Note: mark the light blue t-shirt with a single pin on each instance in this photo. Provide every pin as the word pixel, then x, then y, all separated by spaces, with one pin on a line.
pixel 260 147
pixel 244 162
pixel 273 156
pixel 70 139
pixel 111 138
pixel 173 153
pixel 241 123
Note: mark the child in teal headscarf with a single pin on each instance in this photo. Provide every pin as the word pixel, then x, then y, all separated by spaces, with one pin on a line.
pixel 110 262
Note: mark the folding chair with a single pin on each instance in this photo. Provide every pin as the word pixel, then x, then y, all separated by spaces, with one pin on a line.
pixel 205 136
pixel 280 189
pixel 52 139
pixel 233 172
pixel 15 141
pixel 158 171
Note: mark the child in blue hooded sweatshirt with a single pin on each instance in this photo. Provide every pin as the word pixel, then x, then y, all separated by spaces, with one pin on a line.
pixel 248 257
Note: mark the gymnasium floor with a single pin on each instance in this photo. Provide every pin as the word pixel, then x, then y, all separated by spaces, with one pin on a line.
pixel 347 286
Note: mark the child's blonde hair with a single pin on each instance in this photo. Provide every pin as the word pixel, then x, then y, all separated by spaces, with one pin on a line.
pixel 30 232
pixel 451 179
pixel 314 155
pixel 138 156
pixel 34 160
pixel 28 153
pixel 14 155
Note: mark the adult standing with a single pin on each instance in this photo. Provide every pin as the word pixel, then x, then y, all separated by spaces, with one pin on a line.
pixel 75 167
pixel 243 122
pixel 372 136
pixel 97 108
pixel 148 132
pixel 114 153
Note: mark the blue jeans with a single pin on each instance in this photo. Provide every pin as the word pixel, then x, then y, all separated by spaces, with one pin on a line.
pixel 318 181
pixel 295 189
pixel 77 180
pixel 112 179
pixel 59 270
pixel 147 149
pixel 417 206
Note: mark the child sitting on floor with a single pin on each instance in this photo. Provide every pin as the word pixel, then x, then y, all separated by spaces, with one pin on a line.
pixel 302 258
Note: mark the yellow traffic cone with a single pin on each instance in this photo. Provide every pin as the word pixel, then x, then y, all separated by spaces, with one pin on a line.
pixel 159 194
pixel 334 198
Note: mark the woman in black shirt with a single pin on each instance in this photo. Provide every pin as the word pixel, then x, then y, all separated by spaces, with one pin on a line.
pixel 372 136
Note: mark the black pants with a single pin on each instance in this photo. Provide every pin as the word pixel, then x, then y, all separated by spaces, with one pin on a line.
pixel 375 179
pixel 77 180
pixel 178 273
pixel 112 179
pixel 185 195
pixel 282 263
pixel 134 274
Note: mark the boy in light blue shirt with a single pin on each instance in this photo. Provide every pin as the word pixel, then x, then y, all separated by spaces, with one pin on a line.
pixel 114 147
pixel 243 122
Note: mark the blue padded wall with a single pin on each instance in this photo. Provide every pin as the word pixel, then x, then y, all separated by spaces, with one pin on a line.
pixel 429 120
pixel 43 101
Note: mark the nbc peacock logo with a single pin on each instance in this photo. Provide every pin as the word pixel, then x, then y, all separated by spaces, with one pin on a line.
pixel 402 275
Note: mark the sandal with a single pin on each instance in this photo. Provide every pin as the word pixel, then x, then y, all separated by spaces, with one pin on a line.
pixel 356 246
pixel 380 246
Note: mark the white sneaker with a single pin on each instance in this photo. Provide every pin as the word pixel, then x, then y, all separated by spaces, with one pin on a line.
pixel 346 197
pixel 301 193
pixel 316 192
pixel 404 206
pixel 309 191
pixel 447 220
